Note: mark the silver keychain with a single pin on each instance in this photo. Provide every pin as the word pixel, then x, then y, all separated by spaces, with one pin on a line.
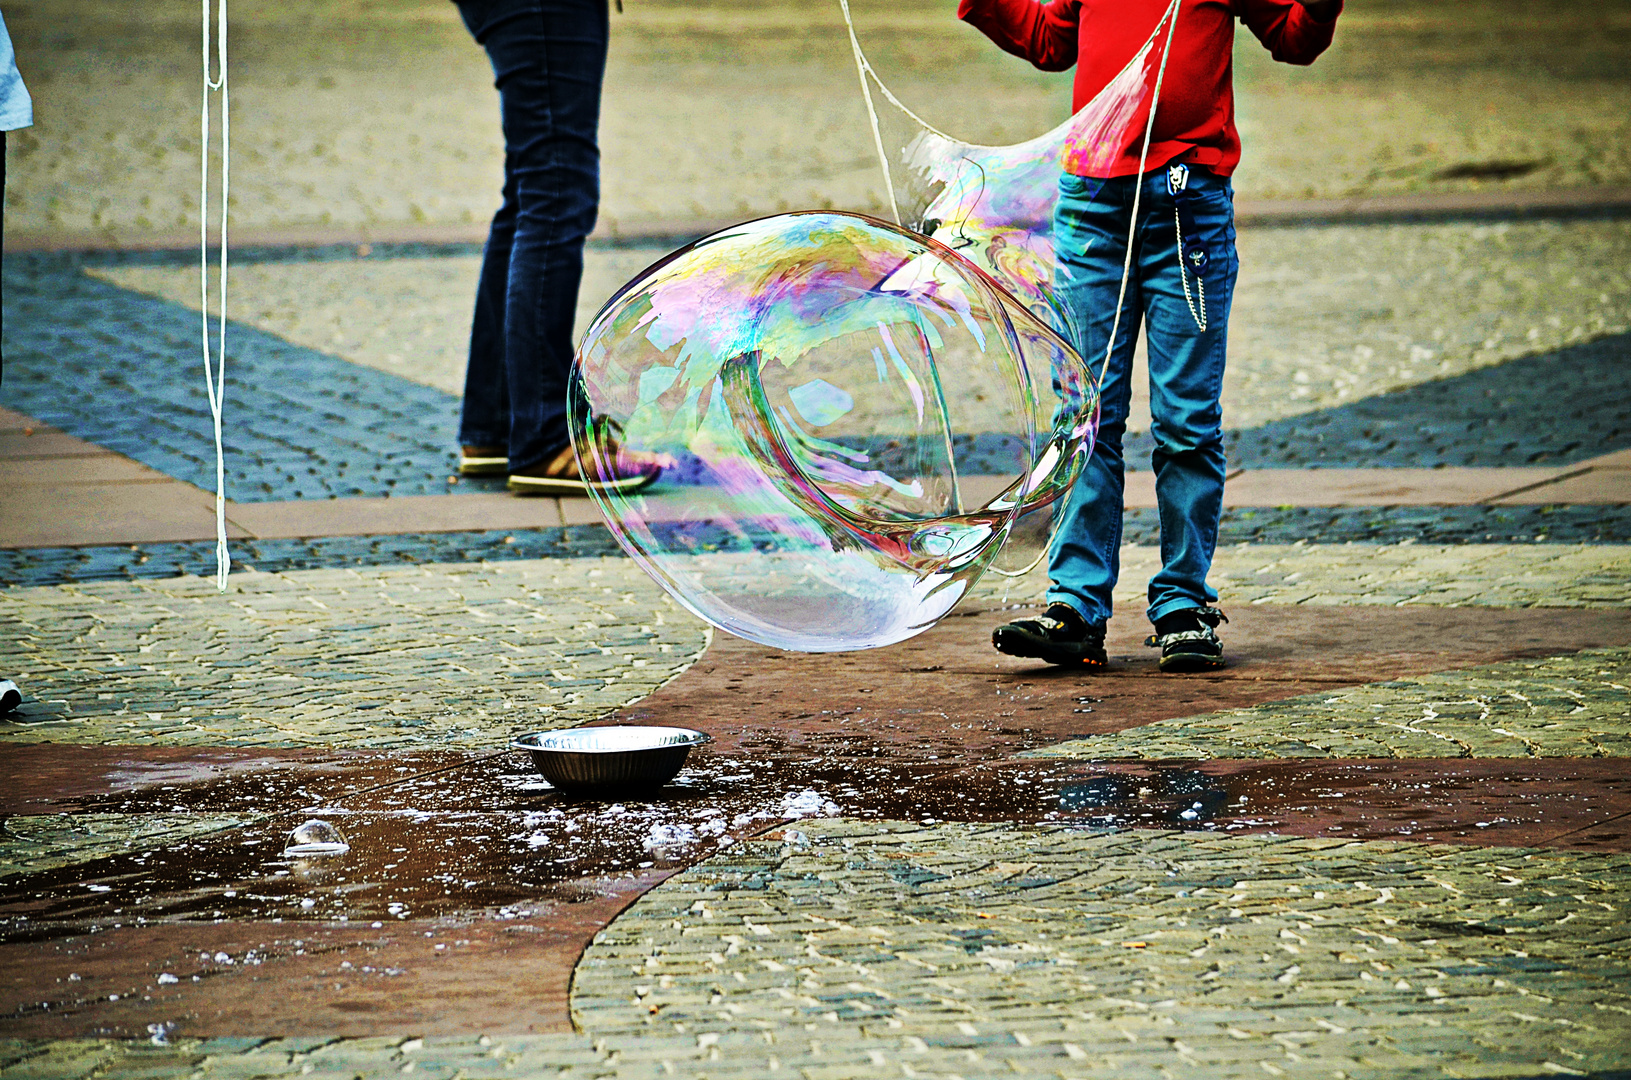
pixel 1177 183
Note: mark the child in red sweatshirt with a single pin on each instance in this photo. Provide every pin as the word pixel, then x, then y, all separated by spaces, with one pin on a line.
pixel 1182 281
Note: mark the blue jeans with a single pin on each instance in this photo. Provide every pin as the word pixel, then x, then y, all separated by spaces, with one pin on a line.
pixel 1186 378
pixel 549 59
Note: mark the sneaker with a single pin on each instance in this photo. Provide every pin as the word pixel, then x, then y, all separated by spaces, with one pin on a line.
pixel 483 461
pixel 1188 640
pixel 1059 636
pixel 561 475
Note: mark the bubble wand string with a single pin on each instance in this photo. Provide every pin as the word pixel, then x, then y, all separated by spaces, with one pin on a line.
pixel 215 381
pixel 861 67
pixel 1138 187
pixel 864 68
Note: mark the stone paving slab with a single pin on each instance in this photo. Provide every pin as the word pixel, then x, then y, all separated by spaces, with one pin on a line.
pixel 1561 706
pixel 451 656
pixel 991 950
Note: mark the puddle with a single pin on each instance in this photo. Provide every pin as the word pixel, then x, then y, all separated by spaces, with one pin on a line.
pixel 434 834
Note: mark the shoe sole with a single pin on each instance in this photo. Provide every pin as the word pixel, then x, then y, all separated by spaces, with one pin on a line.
pixel 544 485
pixel 1019 645
pixel 483 466
pixel 1179 663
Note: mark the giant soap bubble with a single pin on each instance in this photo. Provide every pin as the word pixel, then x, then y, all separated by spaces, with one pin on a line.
pixel 857 419
pixel 851 417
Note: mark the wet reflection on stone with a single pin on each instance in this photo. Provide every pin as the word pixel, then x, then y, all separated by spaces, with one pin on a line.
pixel 438 833
pixel 1560 802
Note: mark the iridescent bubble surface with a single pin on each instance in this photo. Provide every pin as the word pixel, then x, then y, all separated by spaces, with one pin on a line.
pixel 850 416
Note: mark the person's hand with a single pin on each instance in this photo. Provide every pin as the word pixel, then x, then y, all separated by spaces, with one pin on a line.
pixel 1322 10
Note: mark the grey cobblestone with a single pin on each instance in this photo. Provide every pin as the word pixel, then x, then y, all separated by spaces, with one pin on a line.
pixel 118 562
pixel 1352 345
pixel 418 656
pixel 1560 706
pixel 298 423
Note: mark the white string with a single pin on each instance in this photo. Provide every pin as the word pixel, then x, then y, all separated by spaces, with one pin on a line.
pixel 1138 189
pixel 861 67
pixel 215 380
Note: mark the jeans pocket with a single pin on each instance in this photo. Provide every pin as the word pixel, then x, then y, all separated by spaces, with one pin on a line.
pixel 1071 184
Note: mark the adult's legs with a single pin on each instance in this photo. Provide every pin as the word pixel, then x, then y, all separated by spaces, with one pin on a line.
pixel 485 414
pixel 1188 338
pixel 1090 238
pixel 549 60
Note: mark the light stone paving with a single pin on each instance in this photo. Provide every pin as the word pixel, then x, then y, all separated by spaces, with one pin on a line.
pixel 461 655
pixel 457 656
pixel 358 114
pixel 30 843
pixel 1437 575
pixel 868 949
pixel 1561 706
pixel 990 950
pixel 1322 316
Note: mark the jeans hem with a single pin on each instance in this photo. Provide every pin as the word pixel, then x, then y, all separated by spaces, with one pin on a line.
pixel 1168 607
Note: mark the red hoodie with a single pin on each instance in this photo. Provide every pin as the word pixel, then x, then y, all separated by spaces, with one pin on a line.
pixel 1195 119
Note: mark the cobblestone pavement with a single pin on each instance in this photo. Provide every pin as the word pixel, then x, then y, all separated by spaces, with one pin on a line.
pixel 1322 317
pixel 302 424
pixel 1064 953
pixel 1451 575
pixel 848 949
pixel 55 566
pixel 1502 345
pixel 446 656
pixel 1561 706
pixel 461 655
pixel 1270 527
pixel 751 107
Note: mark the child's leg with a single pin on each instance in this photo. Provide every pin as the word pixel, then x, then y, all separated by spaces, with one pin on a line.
pixel 1187 335
pixel 1090 238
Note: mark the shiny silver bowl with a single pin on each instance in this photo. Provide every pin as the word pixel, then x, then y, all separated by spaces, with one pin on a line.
pixel 606 760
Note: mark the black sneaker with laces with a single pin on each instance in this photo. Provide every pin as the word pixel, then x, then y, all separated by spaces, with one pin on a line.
pixel 1188 640
pixel 1059 636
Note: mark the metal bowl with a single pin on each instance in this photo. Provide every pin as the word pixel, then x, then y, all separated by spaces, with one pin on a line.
pixel 597 760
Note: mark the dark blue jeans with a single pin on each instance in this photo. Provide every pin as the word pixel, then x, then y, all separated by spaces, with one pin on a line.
pixel 1187 333
pixel 549 59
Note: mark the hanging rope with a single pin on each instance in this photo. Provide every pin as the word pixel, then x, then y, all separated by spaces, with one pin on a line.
pixel 215 372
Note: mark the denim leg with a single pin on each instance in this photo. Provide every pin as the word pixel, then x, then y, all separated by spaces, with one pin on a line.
pixel 1186 381
pixel 549 59
pixel 1090 238
pixel 485 413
